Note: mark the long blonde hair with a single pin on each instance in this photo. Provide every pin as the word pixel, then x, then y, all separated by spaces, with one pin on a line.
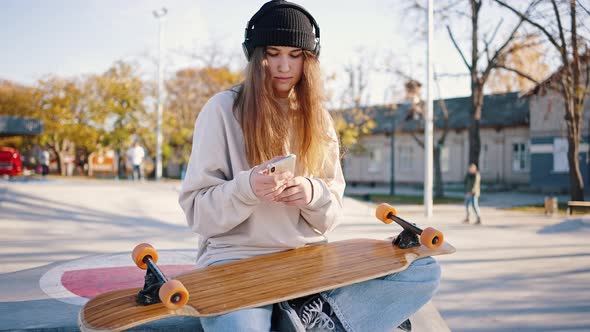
pixel 266 126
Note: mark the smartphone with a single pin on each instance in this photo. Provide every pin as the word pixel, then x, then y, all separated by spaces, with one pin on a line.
pixel 284 164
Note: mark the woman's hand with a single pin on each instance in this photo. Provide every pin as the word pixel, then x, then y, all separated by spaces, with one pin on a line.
pixel 299 192
pixel 268 187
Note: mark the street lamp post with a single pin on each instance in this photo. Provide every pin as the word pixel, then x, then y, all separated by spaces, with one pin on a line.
pixel 159 14
pixel 428 123
pixel 392 149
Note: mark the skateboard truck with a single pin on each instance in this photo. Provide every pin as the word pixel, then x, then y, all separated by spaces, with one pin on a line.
pixel 157 288
pixel 406 239
pixel 154 279
pixel 412 235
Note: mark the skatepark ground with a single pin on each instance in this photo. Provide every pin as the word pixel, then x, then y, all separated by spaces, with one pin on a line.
pixel 518 271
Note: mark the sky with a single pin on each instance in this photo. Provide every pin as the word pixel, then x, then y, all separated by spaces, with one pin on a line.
pixel 73 37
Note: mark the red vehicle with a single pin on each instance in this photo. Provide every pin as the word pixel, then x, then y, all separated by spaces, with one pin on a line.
pixel 10 162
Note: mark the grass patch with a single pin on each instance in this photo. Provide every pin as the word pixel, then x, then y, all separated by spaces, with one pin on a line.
pixel 405 199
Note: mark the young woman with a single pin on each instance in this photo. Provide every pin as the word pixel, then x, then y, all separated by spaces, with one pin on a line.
pixel 239 210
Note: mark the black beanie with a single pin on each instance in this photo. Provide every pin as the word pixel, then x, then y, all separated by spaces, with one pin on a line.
pixel 282 26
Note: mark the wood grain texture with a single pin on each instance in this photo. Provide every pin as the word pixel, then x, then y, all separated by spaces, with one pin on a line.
pixel 258 281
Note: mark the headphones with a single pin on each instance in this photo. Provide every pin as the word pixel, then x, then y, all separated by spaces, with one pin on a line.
pixel 248 49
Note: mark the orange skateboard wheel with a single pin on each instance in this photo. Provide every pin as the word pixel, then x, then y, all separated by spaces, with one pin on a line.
pixel 431 238
pixel 173 294
pixel 141 251
pixel 383 210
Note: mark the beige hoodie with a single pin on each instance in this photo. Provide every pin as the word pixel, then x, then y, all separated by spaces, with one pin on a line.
pixel 220 206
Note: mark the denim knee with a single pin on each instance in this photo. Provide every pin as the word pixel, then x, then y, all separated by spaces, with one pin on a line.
pixel 250 320
pixel 383 303
pixel 422 270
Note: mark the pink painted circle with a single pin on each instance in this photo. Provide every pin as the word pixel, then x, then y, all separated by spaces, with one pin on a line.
pixel 76 281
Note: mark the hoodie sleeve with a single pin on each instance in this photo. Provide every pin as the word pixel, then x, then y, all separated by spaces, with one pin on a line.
pixel 213 199
pixel 325 208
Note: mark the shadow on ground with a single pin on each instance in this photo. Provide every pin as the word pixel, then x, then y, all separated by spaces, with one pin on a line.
pixel 572 225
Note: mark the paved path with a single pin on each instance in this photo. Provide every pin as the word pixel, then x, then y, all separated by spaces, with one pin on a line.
pixel 518 271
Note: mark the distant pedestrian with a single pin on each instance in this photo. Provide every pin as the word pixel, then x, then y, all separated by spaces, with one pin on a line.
pixel 81 164
pixel 472 192
pixel 44 161
pixel 135 155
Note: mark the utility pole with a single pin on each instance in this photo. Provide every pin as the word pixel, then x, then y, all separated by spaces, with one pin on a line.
pixel 428 130
pixel 159 15
pixel 392 149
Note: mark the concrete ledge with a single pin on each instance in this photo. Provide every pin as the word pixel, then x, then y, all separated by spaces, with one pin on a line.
pixel 44 316
pixel 428 319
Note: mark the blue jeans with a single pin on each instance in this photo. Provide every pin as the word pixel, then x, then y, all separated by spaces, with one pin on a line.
pixel 137 175
pixel 376 305
pixel 471 200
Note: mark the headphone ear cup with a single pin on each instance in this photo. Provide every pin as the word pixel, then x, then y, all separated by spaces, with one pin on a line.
pixel 246 50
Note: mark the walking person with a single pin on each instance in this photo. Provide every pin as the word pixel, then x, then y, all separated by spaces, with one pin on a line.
pixel 135 155
pixel 472 192
pixel 239 210
pixel 44 160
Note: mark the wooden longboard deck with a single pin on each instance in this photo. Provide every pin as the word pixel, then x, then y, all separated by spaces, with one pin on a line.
pixel 259 281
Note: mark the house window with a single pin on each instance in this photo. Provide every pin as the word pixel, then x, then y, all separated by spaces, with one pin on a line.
pixel 560 163
pixel 406 158
pixel 347 163
pixel 520 157
pixel 375 160
pixel 444 159
pixel 484 164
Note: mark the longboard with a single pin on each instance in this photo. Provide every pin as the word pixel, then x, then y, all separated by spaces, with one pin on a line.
pixel 261 280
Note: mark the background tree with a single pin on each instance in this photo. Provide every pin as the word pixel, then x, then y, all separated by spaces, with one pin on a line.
pixel 564 25
pixel 61 107
pixel 486 55
pixel 17 100
pixel 117 105
pixel 352 121
pixel 187 92
pixel 527 55
pixel 495 48
pixel 352 126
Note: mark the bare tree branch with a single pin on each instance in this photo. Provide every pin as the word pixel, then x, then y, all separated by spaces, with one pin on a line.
pixel 528 44
pixel 516 71
pixel 415 137
pixel 456 12
pixel 584 8
pixel 444 12
pixel 563 49
pixel 496 30
pixel 528 20
pixel 487 51
pixel 404 75
pixel 452 5
pixel 452 75
pixel 587 75
pixel 499 52
pixel 458 48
